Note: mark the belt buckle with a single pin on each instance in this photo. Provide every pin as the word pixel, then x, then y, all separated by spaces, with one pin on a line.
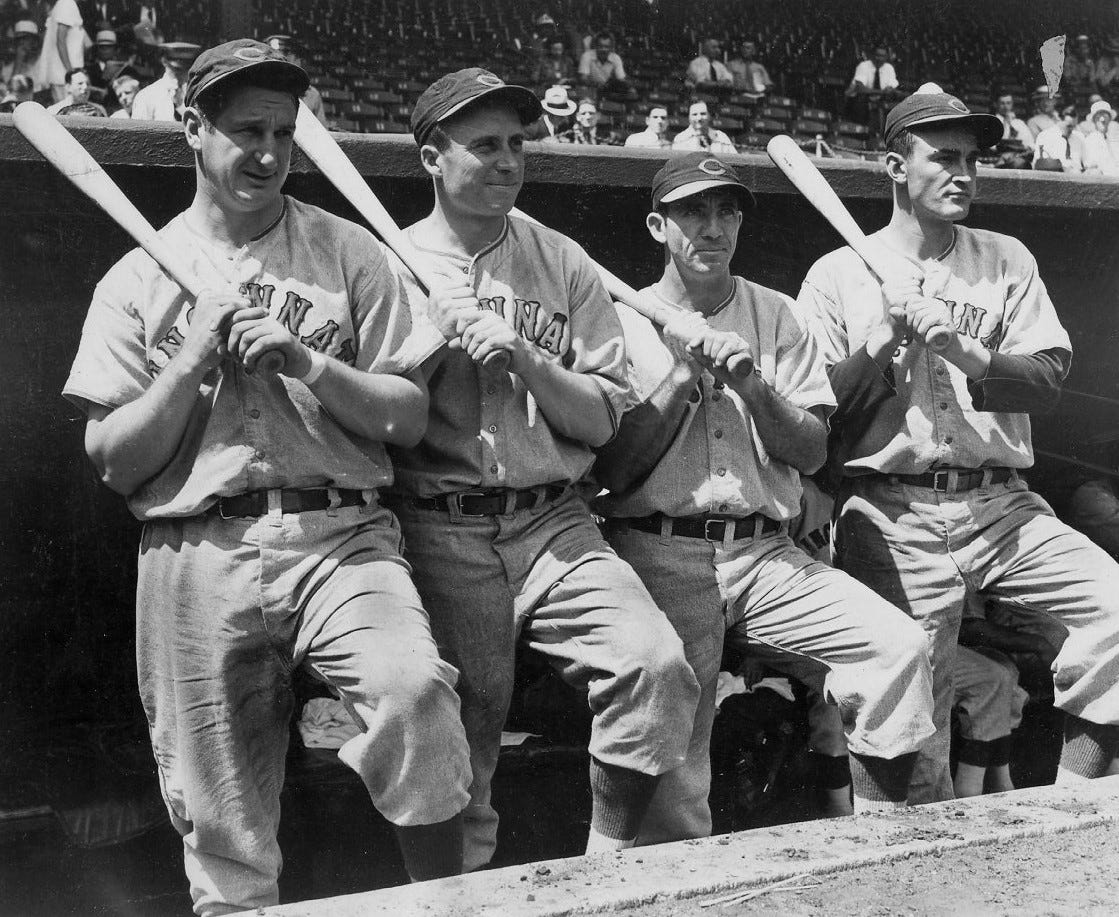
pixel 707 523
pixel 467 495
pixel 221 510
pixel 950 478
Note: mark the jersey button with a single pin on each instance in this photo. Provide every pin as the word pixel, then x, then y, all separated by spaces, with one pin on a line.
pixel 466 270
pixel 693 397
pixel 254 414
pixel 490 389
pixel 940 370
pixel 493 428
pixel 719 386
pixel 261 455
pixel 716 396
pixel 493 469
pixel 944 405
pixel 723 507
pixel 721 472
pixel 948 440
pixel 718 434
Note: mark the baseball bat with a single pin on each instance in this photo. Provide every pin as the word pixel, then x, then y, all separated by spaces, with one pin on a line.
pixel 804 175
pixel 63 151
pixel 323 150
pixel 659 313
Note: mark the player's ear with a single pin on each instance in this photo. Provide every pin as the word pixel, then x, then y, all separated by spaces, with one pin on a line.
pixel 654 222
pixel 896 168
pixel 192 128
pixel 429 159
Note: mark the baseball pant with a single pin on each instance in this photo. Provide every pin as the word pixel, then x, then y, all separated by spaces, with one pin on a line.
pixel 226 611
pixel 546 574
pixel 879 671
pixel 925 551
pixel 988 700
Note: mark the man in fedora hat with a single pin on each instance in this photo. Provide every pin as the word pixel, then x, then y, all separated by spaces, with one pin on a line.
pixel 292 53
pixel 558 107
pixel 1045 107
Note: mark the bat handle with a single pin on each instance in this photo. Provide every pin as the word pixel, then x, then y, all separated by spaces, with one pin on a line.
pixel 741 366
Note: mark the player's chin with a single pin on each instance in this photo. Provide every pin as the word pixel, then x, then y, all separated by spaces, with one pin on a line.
pixel 956 207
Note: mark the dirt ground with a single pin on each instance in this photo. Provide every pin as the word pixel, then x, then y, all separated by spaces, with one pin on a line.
pixel 1073 873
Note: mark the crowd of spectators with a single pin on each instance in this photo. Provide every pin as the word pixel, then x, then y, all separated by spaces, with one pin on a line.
pixel 731 98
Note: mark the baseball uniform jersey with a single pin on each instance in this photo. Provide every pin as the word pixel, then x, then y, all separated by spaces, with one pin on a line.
pixel 228 607
pixel 541 570
pixel 925 549
pixel 749 577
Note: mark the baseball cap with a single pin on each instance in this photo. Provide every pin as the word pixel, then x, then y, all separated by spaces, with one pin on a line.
pixel 557 101
pixel 234 57
pixel 683 176
pixel 450 94
pixel 25 27
pixel 106 37
pixel 932 105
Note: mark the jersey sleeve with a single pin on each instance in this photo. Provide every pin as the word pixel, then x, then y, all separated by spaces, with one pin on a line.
pixel 823 316
pixel 801 376
pixel 111 366
pixel 1031 324
pixel 597 343
pixel 383 317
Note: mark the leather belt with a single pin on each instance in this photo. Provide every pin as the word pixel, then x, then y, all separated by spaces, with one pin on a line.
pixel 495 502
pixel 255 502
pixel 954 480
pixel 709 528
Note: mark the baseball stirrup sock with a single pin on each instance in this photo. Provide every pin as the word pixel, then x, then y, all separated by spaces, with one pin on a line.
pixel 1089 747
pixel 977 752
pixel 831 772
pixel 1000 751
pixel 619 800
pixel 881 780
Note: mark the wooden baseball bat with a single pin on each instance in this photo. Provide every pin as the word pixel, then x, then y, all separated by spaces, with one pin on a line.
pixel 659 313
pixel 323 150
pixel 804 175
pixel 63 151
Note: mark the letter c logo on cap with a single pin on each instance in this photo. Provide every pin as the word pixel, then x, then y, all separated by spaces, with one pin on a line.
pixel 712 167
pixel 959 106
pixel 488 79
pixel 250 54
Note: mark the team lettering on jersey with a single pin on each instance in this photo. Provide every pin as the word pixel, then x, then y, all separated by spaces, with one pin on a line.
pixel 968 320
pixel 292 314
pixel 530 320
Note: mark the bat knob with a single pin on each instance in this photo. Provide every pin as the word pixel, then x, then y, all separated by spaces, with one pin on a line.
pixel 938 338
pixel 497 361
pixel 271 363
pixel 741 366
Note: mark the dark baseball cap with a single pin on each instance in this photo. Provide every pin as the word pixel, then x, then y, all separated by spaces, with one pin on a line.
pixel 932 105
pixel 450 94
pixel 234 57
pixel 683 176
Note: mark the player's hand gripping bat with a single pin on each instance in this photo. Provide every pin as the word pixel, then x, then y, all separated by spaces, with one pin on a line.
pixel 63 151
pixel 799 169
pixel 659 313
pixel 324 151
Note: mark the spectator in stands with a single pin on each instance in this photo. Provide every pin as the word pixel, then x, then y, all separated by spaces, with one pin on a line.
pixel 1080 68
pixel 875 75
pixel 106 65
pixel 290 49
pixel 707 72
pixel 555 68
pixel 1016 146
pixel 163 99
pixel 1045 108
pixel 556 119
pixel 125 88
pixel 25 54
pixel 750 76
pixel 1099 151
pixel 1060 148
pixel 601 68
pixel 64 44
pixel 586 129
pixel 77 97
pixel 20 89
pixel 655 135
pixel 700 135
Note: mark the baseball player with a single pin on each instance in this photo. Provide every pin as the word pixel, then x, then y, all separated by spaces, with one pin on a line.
pixel 932 445
pixel 264 546
pixel 703 480
pixel 500 543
